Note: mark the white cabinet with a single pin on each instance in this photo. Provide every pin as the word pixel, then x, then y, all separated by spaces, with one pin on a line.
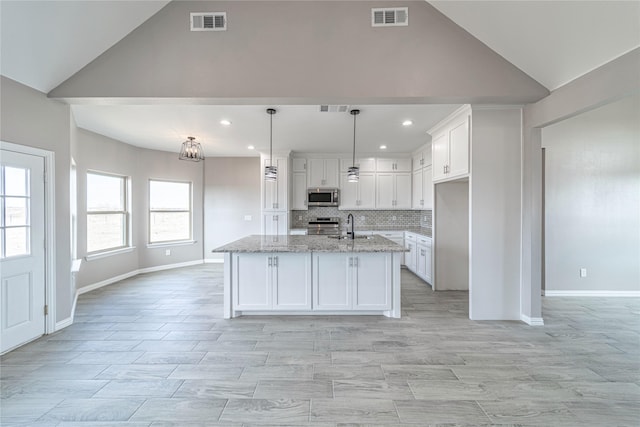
pixel 352 281
pixel 366 164
pixel 322 172
pixel 299 191
pixel 427 188
pixel 450 148
pixel 393 165
pixel 271 281
pixel 358 195
pixel 393 190
pixel 421 158
pixel 396 237
pixel 423 262
pixel 275 193
pixel 410 257
pixel 298 164
pixel 276 223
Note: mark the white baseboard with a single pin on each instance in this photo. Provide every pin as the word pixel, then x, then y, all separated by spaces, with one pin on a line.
pixel 106 282
pixel 532 321
pixel 214 261
pixel 549 293
pixel 169 266
pixel 64 323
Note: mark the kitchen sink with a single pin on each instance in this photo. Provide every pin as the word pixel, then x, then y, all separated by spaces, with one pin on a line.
pixel 349 238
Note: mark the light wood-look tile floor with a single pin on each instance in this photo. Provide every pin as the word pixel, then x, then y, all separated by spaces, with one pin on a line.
pixel 154 351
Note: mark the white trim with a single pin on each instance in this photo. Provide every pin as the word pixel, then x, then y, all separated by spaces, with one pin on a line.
pixel 109 281
pixel 214 261
pixel 50 228
pixel 174 243
pixel 106 254
pixel 532 321
pixel 169 266
pixel 65 323
pixel 549 293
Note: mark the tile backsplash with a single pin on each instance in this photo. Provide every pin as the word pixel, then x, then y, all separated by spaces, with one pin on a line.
pixel 363 219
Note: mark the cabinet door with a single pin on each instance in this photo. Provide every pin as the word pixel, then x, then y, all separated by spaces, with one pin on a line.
pixel 428 264
pixel 299 191
pixel 459 148
pixel 402 191
pixel 427 188
pixel 385 191
pixel 315 171
pixel 275 223
pixel 421 267
pixel 417 160
pixel 275 192
pixel 385 165
pixel 367 191
pixel 410 257
pixel 299 165
pixel 251 282
pixel 331 172
pixel 291 281
pixel 402 165
pixel 417 202
pixel 370 291
pixel 348 193
pixel 440 152
pixel 331 282
pixel 282 202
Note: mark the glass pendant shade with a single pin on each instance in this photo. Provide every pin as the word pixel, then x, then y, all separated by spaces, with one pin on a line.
pixel 270 173
pixel 353 174
pixel 191 150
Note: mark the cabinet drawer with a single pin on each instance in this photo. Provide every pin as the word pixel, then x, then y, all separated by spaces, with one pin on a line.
pixel 424 241
pixel 410 236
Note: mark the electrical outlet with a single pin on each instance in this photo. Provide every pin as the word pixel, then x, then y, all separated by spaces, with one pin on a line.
pixel 583 272
pixel 248 217
pixel 424 218
pixel 299 217
pixel 393 218
pixel 362 218
pixel 167 252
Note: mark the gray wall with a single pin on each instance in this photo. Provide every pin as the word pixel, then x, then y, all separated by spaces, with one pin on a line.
pixel 29 118
pixel 99 153
pixel 280 50
pixel 232 191
pixel 592 199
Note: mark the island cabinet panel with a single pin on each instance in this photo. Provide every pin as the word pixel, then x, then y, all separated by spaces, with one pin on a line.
pixel 331 282
pixel 291 281
pixel 251 282
pixel 369 291
pixel 271 281
pixel 352 281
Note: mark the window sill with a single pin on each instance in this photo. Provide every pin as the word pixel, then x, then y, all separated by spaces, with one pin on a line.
pixel 167 244
pixel 106 254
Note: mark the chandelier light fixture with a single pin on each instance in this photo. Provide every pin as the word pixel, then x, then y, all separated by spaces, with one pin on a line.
pixel 191 150
pixel 270 172
pixel 353 173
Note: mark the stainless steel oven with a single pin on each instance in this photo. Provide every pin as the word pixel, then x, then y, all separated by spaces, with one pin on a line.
pixel 323 225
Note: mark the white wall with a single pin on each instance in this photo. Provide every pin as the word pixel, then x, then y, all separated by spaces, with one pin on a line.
pixel 29 118
pixel 232 191
pixel 592 199
pixel 495 213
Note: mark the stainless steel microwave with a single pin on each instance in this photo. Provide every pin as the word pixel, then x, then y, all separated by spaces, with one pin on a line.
pixel 323 197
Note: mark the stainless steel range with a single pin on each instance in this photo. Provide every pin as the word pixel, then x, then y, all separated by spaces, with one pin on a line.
pixel 324 225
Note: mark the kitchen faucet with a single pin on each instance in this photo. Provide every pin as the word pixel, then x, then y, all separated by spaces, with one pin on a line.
pixel 350 221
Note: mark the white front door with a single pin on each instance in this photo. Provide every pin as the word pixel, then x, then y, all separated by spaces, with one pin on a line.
pixel 22 256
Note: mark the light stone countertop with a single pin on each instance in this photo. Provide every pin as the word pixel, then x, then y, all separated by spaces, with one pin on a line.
pixel 288 243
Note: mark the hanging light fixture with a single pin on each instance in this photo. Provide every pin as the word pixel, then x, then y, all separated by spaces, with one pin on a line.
pixel 353 173
pixel 270 172
pixel 191 150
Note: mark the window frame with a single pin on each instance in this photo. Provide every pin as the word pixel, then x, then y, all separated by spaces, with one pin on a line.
pixel 126 201
pixel 187 240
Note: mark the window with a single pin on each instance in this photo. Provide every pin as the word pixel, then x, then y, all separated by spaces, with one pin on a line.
pixel 107 212
pixel 169 211
pixel 15 199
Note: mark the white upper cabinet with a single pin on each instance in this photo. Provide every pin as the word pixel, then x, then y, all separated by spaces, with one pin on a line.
pixel 358 195
pixel 422 157
pixel 299 191
pixel 275 193
pixel 322 172
pixel 417 200
pixel 366 164
pixel 450 146
pixel 393 191
pixel 393 165
pixel 427 188
pixel 298 164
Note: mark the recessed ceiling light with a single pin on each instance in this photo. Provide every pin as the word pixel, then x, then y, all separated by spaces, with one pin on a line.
pixel 251 147
pixel 225 122
pixel 383 147
pixel 407 123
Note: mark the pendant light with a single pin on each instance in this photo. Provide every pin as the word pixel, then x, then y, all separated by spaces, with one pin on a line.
pixel 353 173
pixel 271 172
pixel 191 150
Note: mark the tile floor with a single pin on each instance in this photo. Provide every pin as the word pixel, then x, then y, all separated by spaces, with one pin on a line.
pixel 154 351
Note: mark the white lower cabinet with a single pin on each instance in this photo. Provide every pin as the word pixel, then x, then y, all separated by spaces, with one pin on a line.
pixel 395 237
pixel 265 281
pixel 350 281
pixel 410 257
pixel 418 259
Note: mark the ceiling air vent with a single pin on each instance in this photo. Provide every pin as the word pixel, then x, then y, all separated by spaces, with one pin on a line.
pixel 390 17
pixel 334 108
pixel 209 21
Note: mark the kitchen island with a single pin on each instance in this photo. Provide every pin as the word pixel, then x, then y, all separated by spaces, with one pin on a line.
pixel 311 275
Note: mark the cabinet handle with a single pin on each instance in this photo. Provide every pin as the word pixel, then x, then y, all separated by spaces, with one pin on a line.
pixel 350 262
pixel 275 261
pixel 275 217
pixel 355 261
pixel 270 261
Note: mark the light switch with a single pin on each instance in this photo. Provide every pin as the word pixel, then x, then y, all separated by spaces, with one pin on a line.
pixel 583 272
pixel 248 218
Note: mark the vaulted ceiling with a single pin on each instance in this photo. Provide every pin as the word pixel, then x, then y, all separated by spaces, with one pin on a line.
pixel 45 43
